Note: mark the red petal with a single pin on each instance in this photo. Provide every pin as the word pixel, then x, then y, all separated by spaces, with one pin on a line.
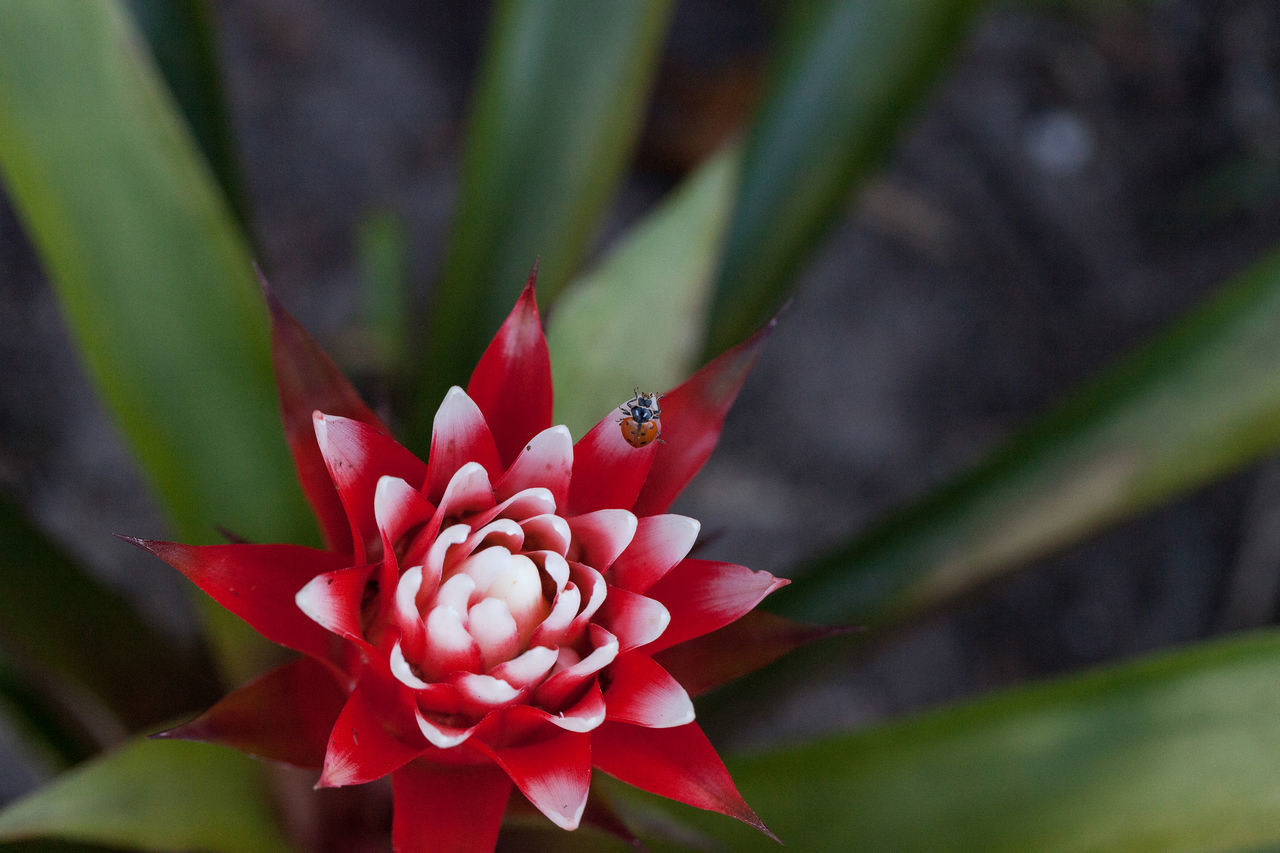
pixel 677 763
pixel 553 773
pixel 257 583
pixel 454 808
pixel 600 536
pixel 634 619
pixel 370 738
pixel 284 715
pixel 546 461
pixel 643 693
pixel 692 417
pixel 357 456
pixel 704 595
pixel 307 380
pixel 741 647
pixel 512 382
pixel 459 435
pixel 607 472
pixel 661 542
pixel 335 601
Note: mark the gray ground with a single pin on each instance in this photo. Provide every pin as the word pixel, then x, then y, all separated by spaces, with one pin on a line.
pixel 1078 181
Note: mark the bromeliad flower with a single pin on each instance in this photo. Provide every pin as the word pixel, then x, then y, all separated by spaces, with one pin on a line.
pixel 514 611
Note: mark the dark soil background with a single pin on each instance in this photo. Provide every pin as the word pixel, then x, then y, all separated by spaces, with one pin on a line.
pixel 1083 175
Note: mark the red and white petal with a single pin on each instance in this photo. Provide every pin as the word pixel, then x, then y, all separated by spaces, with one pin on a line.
pixel 258 584
pixel 468 492
pixel 403 671
pixel 406 616
pixel 459 435
pixel 600 536
pixel 524 504
pixel 484 692
pixel 584 715
pixel 561 685
pixel 453 807
pixel 527 668
pixel 438 553
pixel 335 601
pixel 678 763
pixel 307 381
pixel 643 693
pixel 634 619
pixel 692 418
pixel 607 472
pixel 704 595
pixel 511 384
pixel 546 461
pixel 441 734
pixel 554 773
pixel 660 543
pixel 547 532
pixel 554 630
pixel 285 715
pixel 495 631
pixel 501 532
pixel 357 456
pixel 397 508
pixel 372 736
pixel 450 647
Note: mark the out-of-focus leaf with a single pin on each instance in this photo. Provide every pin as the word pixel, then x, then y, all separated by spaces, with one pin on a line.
pixel 184 40
pixel 154 278
pixel 554 120
pixel 154 795
pixel 1176 751
pixel 382 256
pixel 1197 402
pixel 637 318
pixel 847 75
pixel 56 619
pixel 40 722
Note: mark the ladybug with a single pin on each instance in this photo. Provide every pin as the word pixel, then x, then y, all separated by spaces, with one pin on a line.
pixel 641 425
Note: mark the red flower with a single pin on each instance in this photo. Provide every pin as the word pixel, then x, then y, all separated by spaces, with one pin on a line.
pixel 502 614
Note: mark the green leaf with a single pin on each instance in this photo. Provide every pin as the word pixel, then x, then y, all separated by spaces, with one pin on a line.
pixel 637 318
pixel 54 616
pixel 155 280
pixel 154 795
pixel 1197 402
pixel 183 39
pixel 1177 751
pixel 847 75
pixel 554 119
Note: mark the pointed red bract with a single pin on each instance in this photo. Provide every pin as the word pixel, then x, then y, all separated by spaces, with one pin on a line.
pixel 454 808
pixel 257 583
pixel 553 773
pixel 512 382
pixel 364 744
pixel 307 380
pixel 703 595
pixel 677 763
pixel 643 693
pixel 607 472
pixel 459 435
pixel 284 715
pixel 692 417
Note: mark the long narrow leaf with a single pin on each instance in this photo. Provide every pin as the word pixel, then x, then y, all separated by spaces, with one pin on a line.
pixel 154 795
pixel 1173 752
pixel 553 122
pixel 1197 402
pixel 155 280
pixel 637 318
pixel 848 75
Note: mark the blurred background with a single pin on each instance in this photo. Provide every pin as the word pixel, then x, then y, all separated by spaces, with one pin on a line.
pixel 1080 176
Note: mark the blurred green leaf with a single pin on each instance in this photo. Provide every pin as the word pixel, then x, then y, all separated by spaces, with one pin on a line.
pixel 1197 402
pixel 183 39
pixel 637 318
pixel 154 795
pixel 847 76
pixel 155 280
pixel 383 259
pixel 54 616
pixel 1177 751
pixel 554 119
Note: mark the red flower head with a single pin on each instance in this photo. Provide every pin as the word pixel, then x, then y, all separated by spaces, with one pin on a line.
pixel 516 610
